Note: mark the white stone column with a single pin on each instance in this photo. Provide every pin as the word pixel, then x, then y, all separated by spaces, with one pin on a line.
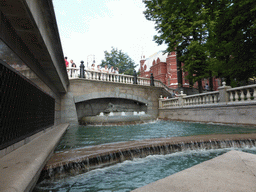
pixel 223 94
pixel 181 100
pixel 161 101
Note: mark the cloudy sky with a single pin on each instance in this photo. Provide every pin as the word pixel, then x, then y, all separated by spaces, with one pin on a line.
pixel 90 27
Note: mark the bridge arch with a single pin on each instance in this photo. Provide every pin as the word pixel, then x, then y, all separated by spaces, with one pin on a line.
pixel 83 93
pixel 93 104
pixel 101 95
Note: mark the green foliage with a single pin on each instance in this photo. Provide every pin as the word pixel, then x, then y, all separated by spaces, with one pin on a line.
pixel 235 39
pixel 182 26
pixel 211 37
pixel 117 58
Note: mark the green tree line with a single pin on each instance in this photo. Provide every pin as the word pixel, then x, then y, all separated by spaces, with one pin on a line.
pixel 211 37
pixel 117 58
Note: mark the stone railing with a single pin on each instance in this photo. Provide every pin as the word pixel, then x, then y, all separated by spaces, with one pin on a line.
pixel 203 98
pixel 73 72
pixel 225 95
pixel 112 77
pixel 245 93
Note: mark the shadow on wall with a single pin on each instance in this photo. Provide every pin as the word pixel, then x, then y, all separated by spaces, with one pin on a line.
pixel 95 106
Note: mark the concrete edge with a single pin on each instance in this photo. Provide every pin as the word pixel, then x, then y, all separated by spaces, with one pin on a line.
pixel 228 172
pixel 21 174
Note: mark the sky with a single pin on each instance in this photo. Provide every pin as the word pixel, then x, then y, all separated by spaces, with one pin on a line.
pixel 87 28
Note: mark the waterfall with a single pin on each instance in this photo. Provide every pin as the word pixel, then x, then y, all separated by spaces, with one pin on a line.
pixel 87 163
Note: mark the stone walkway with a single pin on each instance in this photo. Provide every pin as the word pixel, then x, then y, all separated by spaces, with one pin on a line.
pixel 231 172
pixel 20 169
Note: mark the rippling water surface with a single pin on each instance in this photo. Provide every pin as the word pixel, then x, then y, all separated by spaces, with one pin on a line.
pixel 130 175
pixel 82 136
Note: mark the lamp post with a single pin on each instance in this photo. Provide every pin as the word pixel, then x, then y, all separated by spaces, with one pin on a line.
pixel 82 69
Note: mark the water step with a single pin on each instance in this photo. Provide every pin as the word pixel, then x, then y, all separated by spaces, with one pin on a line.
pixel 78 161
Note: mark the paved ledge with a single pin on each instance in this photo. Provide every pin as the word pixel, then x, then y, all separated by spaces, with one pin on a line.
pixel 20 169
pixel 232 171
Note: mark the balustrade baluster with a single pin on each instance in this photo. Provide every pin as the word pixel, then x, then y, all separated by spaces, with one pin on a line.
pixel 236 96
pixel 232 96
pixel 198 101
pixel 89 75
pixel 211 99
pixel 254 94
pixel 207 99
pixel 190 101
pixel 215 97
pixel 247 94
pixel 229 96
pixel 93 75
pixel 242 96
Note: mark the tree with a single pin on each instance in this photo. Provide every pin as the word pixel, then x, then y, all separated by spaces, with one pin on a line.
pixel 234 39
pixel 182 26
pixel 211 37
pixel 117 58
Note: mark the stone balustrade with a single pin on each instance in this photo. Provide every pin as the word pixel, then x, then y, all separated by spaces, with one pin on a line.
pixel 226 94
pixel 170 102
pixel 73 72
pixel 112 77
pixel 203 98
pixel 244 93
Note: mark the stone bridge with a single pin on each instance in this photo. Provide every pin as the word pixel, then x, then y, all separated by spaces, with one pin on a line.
pixel 89 97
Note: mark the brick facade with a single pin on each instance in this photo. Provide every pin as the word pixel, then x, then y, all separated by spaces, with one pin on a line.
pixel 164 68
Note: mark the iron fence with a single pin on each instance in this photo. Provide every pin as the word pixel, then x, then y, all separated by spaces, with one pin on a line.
pixel 24 108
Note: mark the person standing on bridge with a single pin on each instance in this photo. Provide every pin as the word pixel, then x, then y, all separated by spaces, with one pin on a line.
pixel 98 68
pixel 66 62
pixel 117 71
pixel 111 70
pixel 105 69
pixel 93 67
pixel 72 63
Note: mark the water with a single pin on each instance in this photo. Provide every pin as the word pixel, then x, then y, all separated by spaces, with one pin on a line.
pixel 83 136
pixel 138 172
pixel 130 175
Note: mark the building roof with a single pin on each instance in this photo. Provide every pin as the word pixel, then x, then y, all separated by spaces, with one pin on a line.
pixel 149 61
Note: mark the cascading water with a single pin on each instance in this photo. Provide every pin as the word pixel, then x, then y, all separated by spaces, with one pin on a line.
pixel 83 164
pixel 86 173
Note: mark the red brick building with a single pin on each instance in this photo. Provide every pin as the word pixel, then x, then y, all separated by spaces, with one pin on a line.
pixel 164 67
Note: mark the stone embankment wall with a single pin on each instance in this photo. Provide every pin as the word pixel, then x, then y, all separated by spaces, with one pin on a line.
pixel 228 105
pixel 220 113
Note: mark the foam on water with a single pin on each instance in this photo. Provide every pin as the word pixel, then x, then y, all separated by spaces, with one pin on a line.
pixel 135 173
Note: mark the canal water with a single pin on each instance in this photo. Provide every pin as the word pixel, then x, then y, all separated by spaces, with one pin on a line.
pixel 83 136
pixel 138 172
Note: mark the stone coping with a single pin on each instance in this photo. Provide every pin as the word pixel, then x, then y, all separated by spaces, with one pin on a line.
pixel 232 171
pixel 212 105
pixel 20 169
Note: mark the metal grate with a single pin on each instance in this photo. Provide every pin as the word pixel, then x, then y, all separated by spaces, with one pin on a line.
pixel 24 108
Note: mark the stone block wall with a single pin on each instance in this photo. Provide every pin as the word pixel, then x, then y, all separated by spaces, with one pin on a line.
pixel 239 113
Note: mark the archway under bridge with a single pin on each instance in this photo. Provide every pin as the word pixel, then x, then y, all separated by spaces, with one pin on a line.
pixel 94 107
pixel 90 95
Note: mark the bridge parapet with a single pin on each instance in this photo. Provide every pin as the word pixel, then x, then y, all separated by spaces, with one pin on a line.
pixel 74 73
